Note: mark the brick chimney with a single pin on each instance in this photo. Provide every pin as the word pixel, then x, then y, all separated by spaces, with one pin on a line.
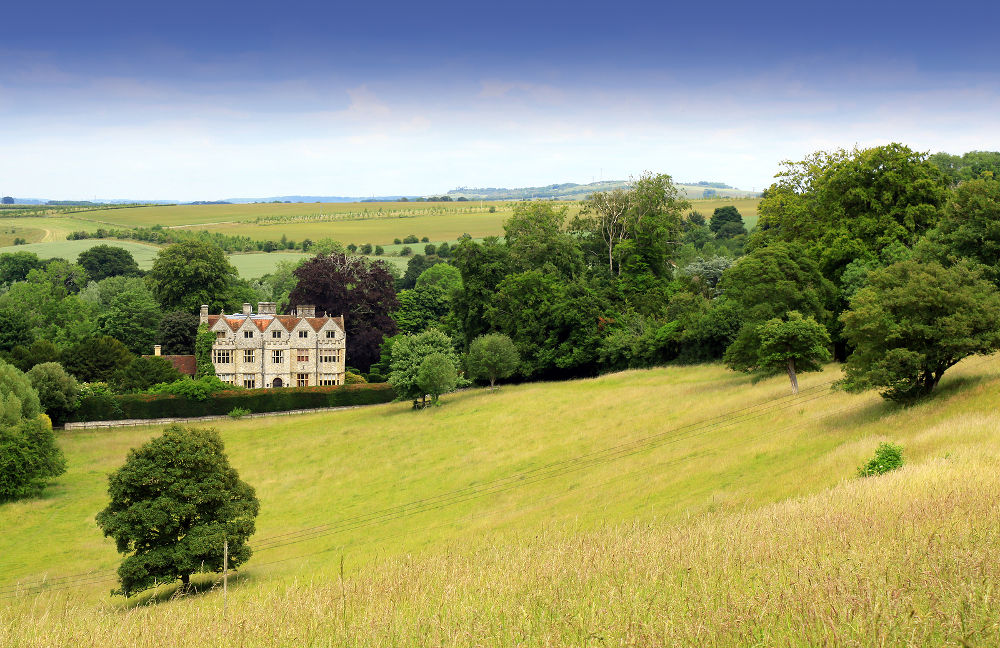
pixel 305 310
pixel 204 314
pixel 267 308
pixel 247 308
pixel 156 349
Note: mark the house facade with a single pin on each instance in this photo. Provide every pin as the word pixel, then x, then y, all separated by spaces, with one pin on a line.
pixel 264 349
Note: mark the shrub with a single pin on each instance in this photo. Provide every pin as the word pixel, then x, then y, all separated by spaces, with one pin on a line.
pixel 379 250
pixel 396 241
pixel 376 378
pixel 406 251
pixel 18 398
pixel 424 240
pixel 143 373
pixel 366 248
pixel 430 249
pixel 412 238
pixel 238 412
pixel 352 248
pixel 174 504
pixel 351 378
pixel 888 456
pixel 198 389
pixel 29 457
pixel 203 351
pixel 98 404
pixel 57 390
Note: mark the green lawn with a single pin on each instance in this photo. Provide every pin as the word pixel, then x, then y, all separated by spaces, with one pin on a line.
pixel 143 253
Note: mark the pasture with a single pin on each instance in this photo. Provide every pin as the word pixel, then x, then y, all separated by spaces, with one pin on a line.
pixel 711 511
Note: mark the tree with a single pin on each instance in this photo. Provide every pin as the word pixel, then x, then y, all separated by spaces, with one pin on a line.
pixel 132 318
pixel 15 266
pixel 768 283
pixel 794 344
pixel 186 275
pixel 361 290
pixel 414 268
pixel 57 390
pixel 18 399
pixel 444 275
pixel 536 239
pixel 173 506
pixel 29 458
pixel 437 375
pixel 143 373
pixel 970 227
pixel 40 351
pixel 430 249
pixel 491 357
pixel 65 278
pixel 176 333
pixel 913 321
pixel 96 359
pixel 203 343
pixel 421 308
pixel 727 222
pixel 15 329
pixel 54 316
pixel 7 200
pixel 103 261
pixel 483 266
pixel 408 353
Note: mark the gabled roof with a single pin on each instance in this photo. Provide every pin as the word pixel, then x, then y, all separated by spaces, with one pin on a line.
pixel 185 364
pixel 288 322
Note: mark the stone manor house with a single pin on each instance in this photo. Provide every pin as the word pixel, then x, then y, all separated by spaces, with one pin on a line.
pixel 264 349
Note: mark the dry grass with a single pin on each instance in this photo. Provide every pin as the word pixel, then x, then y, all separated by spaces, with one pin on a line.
pixel 750 535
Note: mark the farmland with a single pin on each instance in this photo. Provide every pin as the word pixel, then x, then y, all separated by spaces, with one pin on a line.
pixel 733 518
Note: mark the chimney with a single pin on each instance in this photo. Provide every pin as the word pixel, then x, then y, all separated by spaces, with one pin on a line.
pixel 204 314
pixel 267 308
pixel 304 310
pixel 247 308
pixel 156 349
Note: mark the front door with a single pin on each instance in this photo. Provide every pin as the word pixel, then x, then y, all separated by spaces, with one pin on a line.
pixel 277 383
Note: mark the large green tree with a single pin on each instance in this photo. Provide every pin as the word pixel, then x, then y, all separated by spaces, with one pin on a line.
pixel 29 456
pixel 408 353
pixel 970 227
pixel 57 390
pixel 103 261
pixel 96 359
pixel 173 505
pixel 186 275
pixel 794 344
pixel 492 357
pixel 770 282
pixel 913 321
pixel 132 318
pixel 437 375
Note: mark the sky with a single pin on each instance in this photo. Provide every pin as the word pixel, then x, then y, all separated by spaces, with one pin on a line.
pixel 212 100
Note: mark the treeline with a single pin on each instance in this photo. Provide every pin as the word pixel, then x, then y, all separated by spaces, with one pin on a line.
pixel 876 257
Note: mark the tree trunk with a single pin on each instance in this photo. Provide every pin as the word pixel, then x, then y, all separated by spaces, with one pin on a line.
pixel 493 381
pixel 185 582
pixel 791 376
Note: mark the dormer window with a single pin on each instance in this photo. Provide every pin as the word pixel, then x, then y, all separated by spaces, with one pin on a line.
pixel 220 335
pixel 330 335
pixel 303 334
pixel 276 335
pixel 248 334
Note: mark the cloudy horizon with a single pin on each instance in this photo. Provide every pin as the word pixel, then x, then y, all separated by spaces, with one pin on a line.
pixel 205 102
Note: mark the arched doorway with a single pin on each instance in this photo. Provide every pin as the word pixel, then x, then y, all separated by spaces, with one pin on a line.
pixel 277 383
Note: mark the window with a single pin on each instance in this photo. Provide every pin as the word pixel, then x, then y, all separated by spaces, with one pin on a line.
pixel 248 334
pixel 276 335
pixel 330 356
pixel 277 356
pixel 250 383
pixel 220 335
pixel 303 355
pixel 331 335
pixel 223 356
pixel 227 378
pixel 303 334
pixel 302 380
pixel 327 381
pixel 248 355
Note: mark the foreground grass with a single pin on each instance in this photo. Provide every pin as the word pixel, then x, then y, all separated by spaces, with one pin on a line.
pixel 742 533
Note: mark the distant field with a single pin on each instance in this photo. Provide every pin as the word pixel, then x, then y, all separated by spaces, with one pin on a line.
pixel 746 206
pixel 143 254
pixel 37 229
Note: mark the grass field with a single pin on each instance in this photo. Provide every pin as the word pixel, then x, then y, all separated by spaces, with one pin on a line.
pixel 69 250
pixel 376 223
pixel 751 530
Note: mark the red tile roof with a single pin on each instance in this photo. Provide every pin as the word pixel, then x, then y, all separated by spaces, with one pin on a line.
pixel 289 322
pixel 186 364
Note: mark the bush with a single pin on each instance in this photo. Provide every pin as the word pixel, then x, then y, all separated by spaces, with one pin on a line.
pixel 366 248
pixel 430 249
pixel 352 248
pixel 57 390
pixel 412 238
pixel 888 456
pixel 143 373
pixel 406 251
pixel 199 389
pixel 98 404
pixel 18 398
pixel 29 457
pixel 379 250
pixel 238 412
pixel 376 378
pixel 424 240
pixel 437 375
pixel 396 241
pixel 352 378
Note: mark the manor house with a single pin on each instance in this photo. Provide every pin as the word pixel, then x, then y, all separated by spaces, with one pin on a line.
pixel 264 349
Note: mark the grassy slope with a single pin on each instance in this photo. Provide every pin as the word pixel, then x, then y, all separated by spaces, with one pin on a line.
pixel 609 549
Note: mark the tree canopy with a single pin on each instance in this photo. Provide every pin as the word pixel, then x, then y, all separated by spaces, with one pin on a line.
pixel 186 275
pixel 103 261
pixel 173 505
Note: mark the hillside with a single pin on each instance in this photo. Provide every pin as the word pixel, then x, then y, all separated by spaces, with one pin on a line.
pixel 574 191
pixel 711 511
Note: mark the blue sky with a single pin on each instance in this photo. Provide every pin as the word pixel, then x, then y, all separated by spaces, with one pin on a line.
pixel 210 100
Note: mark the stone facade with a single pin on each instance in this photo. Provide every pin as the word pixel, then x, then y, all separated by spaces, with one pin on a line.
pixel 263 349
